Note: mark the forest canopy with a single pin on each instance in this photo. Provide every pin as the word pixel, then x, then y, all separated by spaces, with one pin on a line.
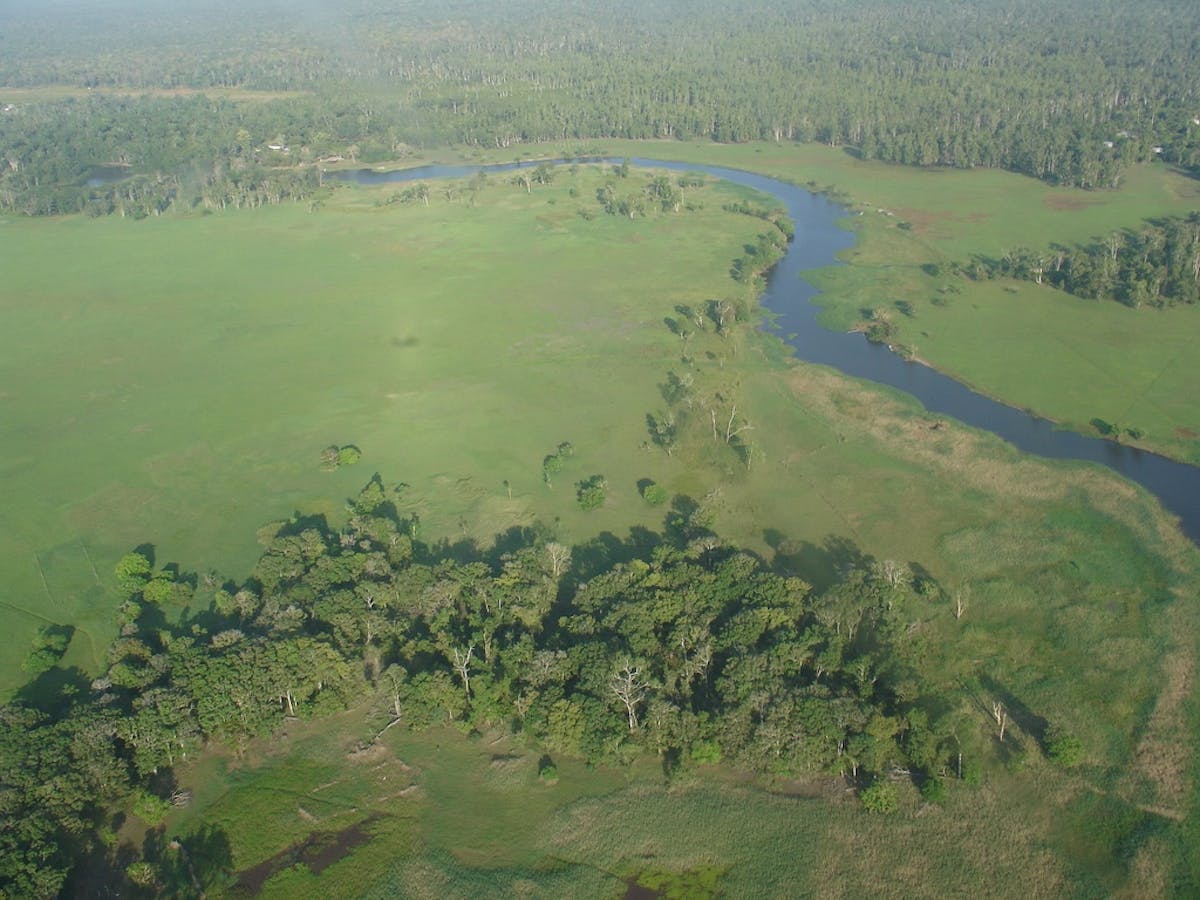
pixel 673 644
pixel 1071 93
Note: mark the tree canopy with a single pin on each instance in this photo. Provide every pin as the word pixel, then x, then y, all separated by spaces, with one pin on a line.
pixel 688 649
pixel 1070 92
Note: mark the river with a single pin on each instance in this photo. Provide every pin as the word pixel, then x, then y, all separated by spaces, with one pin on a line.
pixel 790 297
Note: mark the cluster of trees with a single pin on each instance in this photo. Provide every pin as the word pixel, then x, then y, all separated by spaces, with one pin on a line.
pixel 334 457
pixel 1072 92
pixel 155 152
pixel 1158 265
pixel 659 193
pixel 681 646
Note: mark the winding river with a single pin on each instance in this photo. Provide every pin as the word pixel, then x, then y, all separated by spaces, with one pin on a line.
pixel 789 297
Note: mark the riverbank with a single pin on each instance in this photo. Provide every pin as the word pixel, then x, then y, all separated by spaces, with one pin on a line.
pixel 1084 364
pixel 789 298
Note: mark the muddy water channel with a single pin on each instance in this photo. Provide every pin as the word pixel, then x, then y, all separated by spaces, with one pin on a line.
pixel 789 297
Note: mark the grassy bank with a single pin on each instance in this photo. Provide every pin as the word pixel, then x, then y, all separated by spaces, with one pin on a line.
pixel 1068 359
pixel 176 380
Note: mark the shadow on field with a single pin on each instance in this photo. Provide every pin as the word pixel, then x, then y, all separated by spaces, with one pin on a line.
pixel 1021 715
pixel 53 691
pixel 605 550
pixel 190 863
pixel 821 565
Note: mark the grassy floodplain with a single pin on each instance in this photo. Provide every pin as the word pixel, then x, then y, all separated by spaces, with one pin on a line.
pixel 1068 359
pixel 175 380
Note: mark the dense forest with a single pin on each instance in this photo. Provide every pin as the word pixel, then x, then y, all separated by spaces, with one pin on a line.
pixel 1158 265
pixel 676 644
pixel 1071 93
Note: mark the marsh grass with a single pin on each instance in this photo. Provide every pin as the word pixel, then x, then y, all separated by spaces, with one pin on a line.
pixel 1069 359
pixel 175 381
pixel 189 381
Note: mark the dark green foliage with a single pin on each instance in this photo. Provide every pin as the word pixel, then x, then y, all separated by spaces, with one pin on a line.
pixel 553 463
pixel 760 256
pixel 655 494
pixel 591 491
pixel 1071 93
pixel 934 790
pixel 150 808
pixel 132 571
pixel 695 652
pixel 49 645
pixel 334 457
pixel 880 327
pixel 1064 749
pixel 1157 266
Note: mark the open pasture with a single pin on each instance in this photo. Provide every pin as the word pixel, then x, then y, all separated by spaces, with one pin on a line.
pixel 174 381
pixel 1068 359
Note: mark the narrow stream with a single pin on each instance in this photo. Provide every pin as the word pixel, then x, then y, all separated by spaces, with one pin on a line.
pixel 789 297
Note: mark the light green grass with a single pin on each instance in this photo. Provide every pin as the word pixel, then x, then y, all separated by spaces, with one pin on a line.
pixel 174 381
pixel 1032 347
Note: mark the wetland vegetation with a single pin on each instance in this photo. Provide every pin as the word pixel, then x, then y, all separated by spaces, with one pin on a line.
pixel 655 608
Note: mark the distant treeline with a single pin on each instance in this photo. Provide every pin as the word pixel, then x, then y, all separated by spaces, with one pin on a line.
pixel 1070 92
pixel 1158 265
pixel 676 645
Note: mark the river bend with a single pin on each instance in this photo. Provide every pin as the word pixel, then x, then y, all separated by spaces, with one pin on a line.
pixel 790 298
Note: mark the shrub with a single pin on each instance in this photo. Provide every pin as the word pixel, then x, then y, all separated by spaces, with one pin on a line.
pixel 1064 749
pixel 655 494
pixel 591 492
pixel 49 645
pixel 934 790
pixel 150 808
pixel 880 797
pixel 334 457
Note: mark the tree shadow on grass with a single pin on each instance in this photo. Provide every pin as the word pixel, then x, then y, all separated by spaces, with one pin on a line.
pixel 192 863
pixel 54 691
pixel 821 565
pixel 1021 715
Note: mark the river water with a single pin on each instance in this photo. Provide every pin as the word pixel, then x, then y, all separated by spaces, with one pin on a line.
pixel 789 297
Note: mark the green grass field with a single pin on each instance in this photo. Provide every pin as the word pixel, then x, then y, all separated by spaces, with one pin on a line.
pixel 1068 359
pixel 175 380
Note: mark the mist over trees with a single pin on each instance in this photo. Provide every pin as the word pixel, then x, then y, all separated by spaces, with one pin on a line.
pixel 1069 92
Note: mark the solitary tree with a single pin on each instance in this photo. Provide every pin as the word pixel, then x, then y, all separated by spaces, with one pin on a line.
pixel 628 686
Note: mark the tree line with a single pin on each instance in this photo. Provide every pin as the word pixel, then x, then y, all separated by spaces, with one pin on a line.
pixel 1157 265
pixel 1069 92
pixel 677 645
